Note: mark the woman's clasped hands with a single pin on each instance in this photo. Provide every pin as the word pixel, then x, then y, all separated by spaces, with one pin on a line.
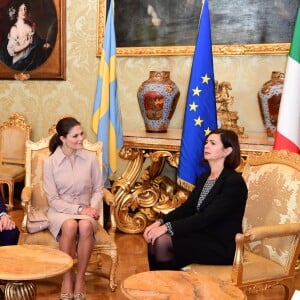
pixel 91 211
pixel 153 231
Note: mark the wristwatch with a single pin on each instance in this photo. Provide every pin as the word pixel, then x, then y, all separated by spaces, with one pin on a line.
pixel 79 210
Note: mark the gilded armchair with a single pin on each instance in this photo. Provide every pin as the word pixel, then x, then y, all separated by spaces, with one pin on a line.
pixel 267 251
pixel 13 135
pixel 33 196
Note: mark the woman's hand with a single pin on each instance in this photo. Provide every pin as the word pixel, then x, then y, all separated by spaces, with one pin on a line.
pixel 148 229
pixel 46 46
pixel 91 211
pixel 156 232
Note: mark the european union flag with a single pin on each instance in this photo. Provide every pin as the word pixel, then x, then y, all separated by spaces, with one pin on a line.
pixel 106 120
pixel 200 111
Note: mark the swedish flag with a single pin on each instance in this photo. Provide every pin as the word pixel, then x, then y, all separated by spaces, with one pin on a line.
pixel 106 121
pixel 200 111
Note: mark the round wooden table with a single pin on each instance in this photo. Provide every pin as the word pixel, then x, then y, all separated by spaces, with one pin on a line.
pixel 178 285
pixel 21 264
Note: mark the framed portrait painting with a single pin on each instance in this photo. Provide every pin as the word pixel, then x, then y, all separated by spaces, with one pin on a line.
pixel 169 27
pixel 32 39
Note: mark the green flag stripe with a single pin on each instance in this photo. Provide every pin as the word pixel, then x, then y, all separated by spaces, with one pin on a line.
pixel 295 46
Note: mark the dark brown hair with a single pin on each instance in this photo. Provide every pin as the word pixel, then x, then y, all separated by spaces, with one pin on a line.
pixel 229 139
pixel 14 10
pixel 63 127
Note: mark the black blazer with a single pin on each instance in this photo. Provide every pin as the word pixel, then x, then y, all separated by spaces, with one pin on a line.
pixel 217 221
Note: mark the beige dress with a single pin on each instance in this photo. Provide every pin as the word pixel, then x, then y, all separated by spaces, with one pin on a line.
pixel 68 187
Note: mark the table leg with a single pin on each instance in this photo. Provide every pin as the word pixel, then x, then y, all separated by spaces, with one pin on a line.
pixel 20 290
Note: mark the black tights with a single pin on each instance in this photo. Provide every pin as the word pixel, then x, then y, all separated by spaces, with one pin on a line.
pixel 161 254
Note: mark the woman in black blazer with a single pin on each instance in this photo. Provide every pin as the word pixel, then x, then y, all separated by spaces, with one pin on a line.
pixel 203 229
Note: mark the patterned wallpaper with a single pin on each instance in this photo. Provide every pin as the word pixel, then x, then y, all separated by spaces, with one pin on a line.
pixel 245 73
pixel 43 102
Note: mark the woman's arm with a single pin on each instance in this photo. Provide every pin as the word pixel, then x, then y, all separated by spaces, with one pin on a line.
pixel 97 184
pixel 182 212
pixel 189 206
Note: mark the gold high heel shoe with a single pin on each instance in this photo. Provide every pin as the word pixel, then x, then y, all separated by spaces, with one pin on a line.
pixel 64 296
pixel 80 296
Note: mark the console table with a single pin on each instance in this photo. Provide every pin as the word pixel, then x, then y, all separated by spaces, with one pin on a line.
pixel 143 191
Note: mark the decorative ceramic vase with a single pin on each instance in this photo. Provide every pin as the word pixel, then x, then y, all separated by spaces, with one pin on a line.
pixel 269 100
pixel 158 97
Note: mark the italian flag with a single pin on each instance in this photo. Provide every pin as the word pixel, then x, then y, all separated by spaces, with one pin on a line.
pixel 288 126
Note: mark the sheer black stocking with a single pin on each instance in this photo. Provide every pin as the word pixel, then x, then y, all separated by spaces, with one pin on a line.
pixel 161 254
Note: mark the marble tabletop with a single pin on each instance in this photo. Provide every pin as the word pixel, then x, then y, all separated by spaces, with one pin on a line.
pixel 178 285
pixel 30 262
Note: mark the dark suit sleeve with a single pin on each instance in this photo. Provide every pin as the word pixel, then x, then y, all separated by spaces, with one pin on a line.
pixel 226 198
pixel 188 207
pixel 2 206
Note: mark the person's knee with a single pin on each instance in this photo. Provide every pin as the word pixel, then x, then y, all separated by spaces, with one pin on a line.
pixel 70 227
pixel 159 246
pixel 163 249
pixel 9 237
pixel 15 236
pixel 85 228
pixel 163 242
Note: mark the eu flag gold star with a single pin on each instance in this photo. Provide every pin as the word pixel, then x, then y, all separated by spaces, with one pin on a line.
pixel 196 91
pixel 205 79
pixel 207 131
pixel 198 121
pixel 193 106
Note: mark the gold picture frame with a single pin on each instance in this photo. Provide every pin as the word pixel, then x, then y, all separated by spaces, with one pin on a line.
pixel 218 50
pixel 49 15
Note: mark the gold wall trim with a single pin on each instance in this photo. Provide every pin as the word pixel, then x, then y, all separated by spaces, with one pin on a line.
pixel 218 50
